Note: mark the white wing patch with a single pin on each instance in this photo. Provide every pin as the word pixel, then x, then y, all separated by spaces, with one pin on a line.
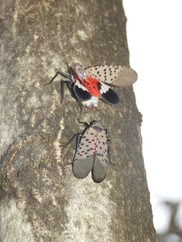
pixel 91 103
pixel 77 83
pixel 92 154
pixel 104 88
pixel 122 76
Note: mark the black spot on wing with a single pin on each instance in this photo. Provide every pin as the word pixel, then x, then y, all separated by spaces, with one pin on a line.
pixel 110 97
pixel 81 95
pixel 99 85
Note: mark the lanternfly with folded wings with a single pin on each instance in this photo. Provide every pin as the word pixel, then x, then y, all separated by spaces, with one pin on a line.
pixel 92 153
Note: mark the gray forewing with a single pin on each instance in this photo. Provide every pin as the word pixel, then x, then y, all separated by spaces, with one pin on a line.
pixel 126 77
pixel 101 158
pixel 122 76
pixel 85 154
pixel 82 167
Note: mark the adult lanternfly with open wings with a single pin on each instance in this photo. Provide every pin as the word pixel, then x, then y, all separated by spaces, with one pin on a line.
pixel 89 84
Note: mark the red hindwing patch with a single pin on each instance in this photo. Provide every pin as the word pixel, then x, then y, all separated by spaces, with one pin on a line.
pixel 92 85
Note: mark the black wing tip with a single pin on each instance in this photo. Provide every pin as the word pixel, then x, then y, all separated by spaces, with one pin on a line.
pixel 80 94
pixel 111 97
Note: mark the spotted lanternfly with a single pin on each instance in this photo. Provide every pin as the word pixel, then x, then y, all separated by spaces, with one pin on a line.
pixel 90 84
pixel 92 153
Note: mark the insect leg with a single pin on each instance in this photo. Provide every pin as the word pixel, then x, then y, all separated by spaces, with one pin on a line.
pixel 80 106
pixel 57 73
pixel 63 82
pixel 75 136
pixel 70 87
pixel 85 123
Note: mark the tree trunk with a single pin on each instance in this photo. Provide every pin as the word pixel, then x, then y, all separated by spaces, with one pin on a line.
pixel 40 198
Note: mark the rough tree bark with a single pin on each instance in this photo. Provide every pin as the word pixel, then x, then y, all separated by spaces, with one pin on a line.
pixel 40 198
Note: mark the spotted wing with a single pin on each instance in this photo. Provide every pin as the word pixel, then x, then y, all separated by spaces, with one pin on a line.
pixel 121 76
pixel 101 158
pixel 81 92
pixel 85 154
